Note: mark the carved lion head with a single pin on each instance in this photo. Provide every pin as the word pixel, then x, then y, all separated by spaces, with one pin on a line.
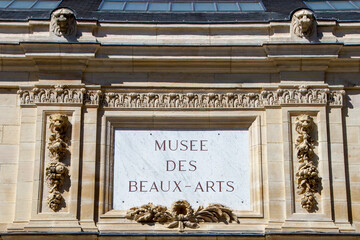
pixel 59 123
pixel 304 123
pixel 303 23
pixel 63 22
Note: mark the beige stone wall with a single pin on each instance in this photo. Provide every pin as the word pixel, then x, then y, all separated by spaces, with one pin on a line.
pixel 122 75
pixel 9 160
pixel 352 149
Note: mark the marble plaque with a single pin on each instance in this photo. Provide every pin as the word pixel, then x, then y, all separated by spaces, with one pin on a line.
pixel 163 166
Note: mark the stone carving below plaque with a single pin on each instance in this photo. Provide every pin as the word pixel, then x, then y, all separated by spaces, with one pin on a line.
pixel 215 99
pixel 63 23
pixel 303 23
pixel 181 215
pixel 56 170
pixel 307 174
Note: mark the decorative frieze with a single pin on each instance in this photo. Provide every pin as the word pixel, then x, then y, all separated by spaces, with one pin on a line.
pixel 55 95
pixel 255 98
pixel 307 174
pixel 56 170
pixel 181 215
pixel 93 97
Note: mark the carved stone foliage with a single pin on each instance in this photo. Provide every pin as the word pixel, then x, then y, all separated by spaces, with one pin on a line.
pixel 303 23
pixel 56 170
pixel 256 98
pixel 63 23
pixel 57 94
pixel 307 174
pixel 181 215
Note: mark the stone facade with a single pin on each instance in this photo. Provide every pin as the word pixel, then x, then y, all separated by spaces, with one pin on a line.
pixel 64 88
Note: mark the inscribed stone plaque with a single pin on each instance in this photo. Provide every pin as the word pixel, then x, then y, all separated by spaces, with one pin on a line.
pixel 163 166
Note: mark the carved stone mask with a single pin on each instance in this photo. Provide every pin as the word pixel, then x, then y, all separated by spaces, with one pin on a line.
pixel 303 22
pixel 63 22
pixel 58 123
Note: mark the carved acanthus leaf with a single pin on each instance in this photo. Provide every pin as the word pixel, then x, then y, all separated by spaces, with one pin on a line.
pixel 56 170
pixel 181 100
pixel 181 215
pixel 307 174
pixel 57 94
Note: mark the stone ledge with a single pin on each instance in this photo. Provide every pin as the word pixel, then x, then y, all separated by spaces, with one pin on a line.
pixel 215 236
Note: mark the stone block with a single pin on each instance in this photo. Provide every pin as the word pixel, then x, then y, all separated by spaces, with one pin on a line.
pixel 352 134
pixel 90 133
pixel 274 133
pixel 336 133
pixel 26 172
pixel 11 117
pixel 9 153
pixel 354 174
pixel 337 153
pixel 28 133
pixel 335 115
pixel 276 190
pixel 89 153
pixel 355 209
pixel 8 97
pixel 7 192
pixel 276 210
pixel 27 152
pixel 355 193
pixel 274 152
pixel 6 212
pixel 8 173
pixel 11 134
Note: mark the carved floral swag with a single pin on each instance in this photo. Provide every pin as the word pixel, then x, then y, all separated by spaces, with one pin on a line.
pixel 181 215
pixel 56 170
pixel 308 179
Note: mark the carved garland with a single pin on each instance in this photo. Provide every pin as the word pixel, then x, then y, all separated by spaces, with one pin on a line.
pixel 181 215
pixel 308 174
pixel 236 99
pixel 56 170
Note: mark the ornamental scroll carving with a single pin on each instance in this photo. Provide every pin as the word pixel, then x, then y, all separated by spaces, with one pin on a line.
pixel 181 215
pixel 255 98
pixel 307 174
pixel 56 170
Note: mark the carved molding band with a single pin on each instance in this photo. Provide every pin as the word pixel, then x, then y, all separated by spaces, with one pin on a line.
pixel 181 215
pixel 257 98
pixel 308 174
pixel 56 170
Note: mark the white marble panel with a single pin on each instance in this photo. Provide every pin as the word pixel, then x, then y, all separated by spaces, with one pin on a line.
pixel 163 166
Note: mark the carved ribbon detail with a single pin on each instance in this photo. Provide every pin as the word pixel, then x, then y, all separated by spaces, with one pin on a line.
pixel 178 100
pixel 181 215
pixel 56 170
pixel 308 174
